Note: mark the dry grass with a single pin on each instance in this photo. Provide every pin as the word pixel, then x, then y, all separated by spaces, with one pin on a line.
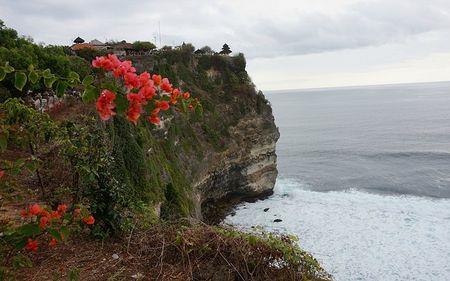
pixel 198 252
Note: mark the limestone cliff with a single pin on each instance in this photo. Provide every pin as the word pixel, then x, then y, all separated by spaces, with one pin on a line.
pixel 247 168
pixel 238 133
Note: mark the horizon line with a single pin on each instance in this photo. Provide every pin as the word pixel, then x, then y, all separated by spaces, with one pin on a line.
pixel 354 86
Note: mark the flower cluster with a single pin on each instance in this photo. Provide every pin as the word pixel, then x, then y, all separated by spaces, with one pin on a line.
pixel 141 90
pixel 55 223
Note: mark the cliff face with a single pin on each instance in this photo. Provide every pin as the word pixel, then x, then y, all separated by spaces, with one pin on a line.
pixel 238 134
pixel 247 168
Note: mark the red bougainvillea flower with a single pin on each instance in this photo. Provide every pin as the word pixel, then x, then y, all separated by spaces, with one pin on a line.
pixel 44 213
pixel 24 213
pixel 32 245
pixel 114 60
pixel 154 119
pixel 62 208
pixel 166 86
pixel 157 79
pixel 144 79
pixel 142 88
pixel 2 173
pixel 43 222
pixel 55 215
pixel 53 242
pixel 105 104
pixel 135 109
pixel 35 209
pixel 102 62
pixel 148 92
pixel 89 220
pixel 131 80
pixel 163 105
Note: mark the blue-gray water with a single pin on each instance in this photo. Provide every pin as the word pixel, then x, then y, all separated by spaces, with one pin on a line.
pixel 364 180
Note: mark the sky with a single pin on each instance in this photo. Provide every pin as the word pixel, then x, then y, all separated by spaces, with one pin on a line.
pixel 289 44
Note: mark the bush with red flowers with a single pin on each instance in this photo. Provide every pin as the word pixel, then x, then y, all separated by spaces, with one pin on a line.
pixel 135 94
pixel 42 226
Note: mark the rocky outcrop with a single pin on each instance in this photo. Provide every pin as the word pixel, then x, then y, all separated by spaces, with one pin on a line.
pixel 246 169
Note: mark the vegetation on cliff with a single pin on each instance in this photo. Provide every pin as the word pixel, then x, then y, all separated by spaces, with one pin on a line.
pixel 54 150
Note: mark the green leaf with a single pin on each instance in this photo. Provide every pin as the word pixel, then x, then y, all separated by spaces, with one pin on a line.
pixel 29 230
pixel 185 105
pixel 74 274
pixel 31 166
pixel 199 110
pixel 89 94
pixel 33 76
pixel 121 103
pixel 8 68
pixel 2 73
pixel 55 234
pixel 3 142
pixel 61 88
pixel 74 76
pixel 20 80
pixel 65 232
pixel 47 73
pixel 49 81
pixel 88 80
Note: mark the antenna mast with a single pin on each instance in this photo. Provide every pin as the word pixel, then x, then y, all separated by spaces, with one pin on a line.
pixel 159 30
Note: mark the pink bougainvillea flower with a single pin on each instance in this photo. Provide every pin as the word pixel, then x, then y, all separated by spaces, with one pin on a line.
pixel 105 104
pixel 186 95
pixel 89 220
pixel 32 245
pixel 35 209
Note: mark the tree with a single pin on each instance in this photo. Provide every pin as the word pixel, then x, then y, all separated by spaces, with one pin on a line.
pixel 207 50
pixel 225 50
pixel 143 46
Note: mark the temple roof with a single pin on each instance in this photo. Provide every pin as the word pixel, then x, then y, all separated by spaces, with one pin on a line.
pixel 78 40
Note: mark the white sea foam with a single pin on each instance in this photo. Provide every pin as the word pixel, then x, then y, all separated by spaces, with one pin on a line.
pixel 357 235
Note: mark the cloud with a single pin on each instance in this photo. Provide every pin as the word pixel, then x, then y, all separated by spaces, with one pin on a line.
pixel 257 28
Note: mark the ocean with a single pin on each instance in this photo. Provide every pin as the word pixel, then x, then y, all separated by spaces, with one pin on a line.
pixel 364 180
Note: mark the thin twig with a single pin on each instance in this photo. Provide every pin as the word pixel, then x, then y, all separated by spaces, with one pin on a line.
pixel 161 259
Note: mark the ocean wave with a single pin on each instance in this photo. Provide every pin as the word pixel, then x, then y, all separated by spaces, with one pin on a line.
pixel 354 233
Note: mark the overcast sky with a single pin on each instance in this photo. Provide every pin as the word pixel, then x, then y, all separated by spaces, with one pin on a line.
pixel 288 44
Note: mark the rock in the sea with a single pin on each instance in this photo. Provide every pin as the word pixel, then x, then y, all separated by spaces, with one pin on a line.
pixel 266 209
pixel 277 220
